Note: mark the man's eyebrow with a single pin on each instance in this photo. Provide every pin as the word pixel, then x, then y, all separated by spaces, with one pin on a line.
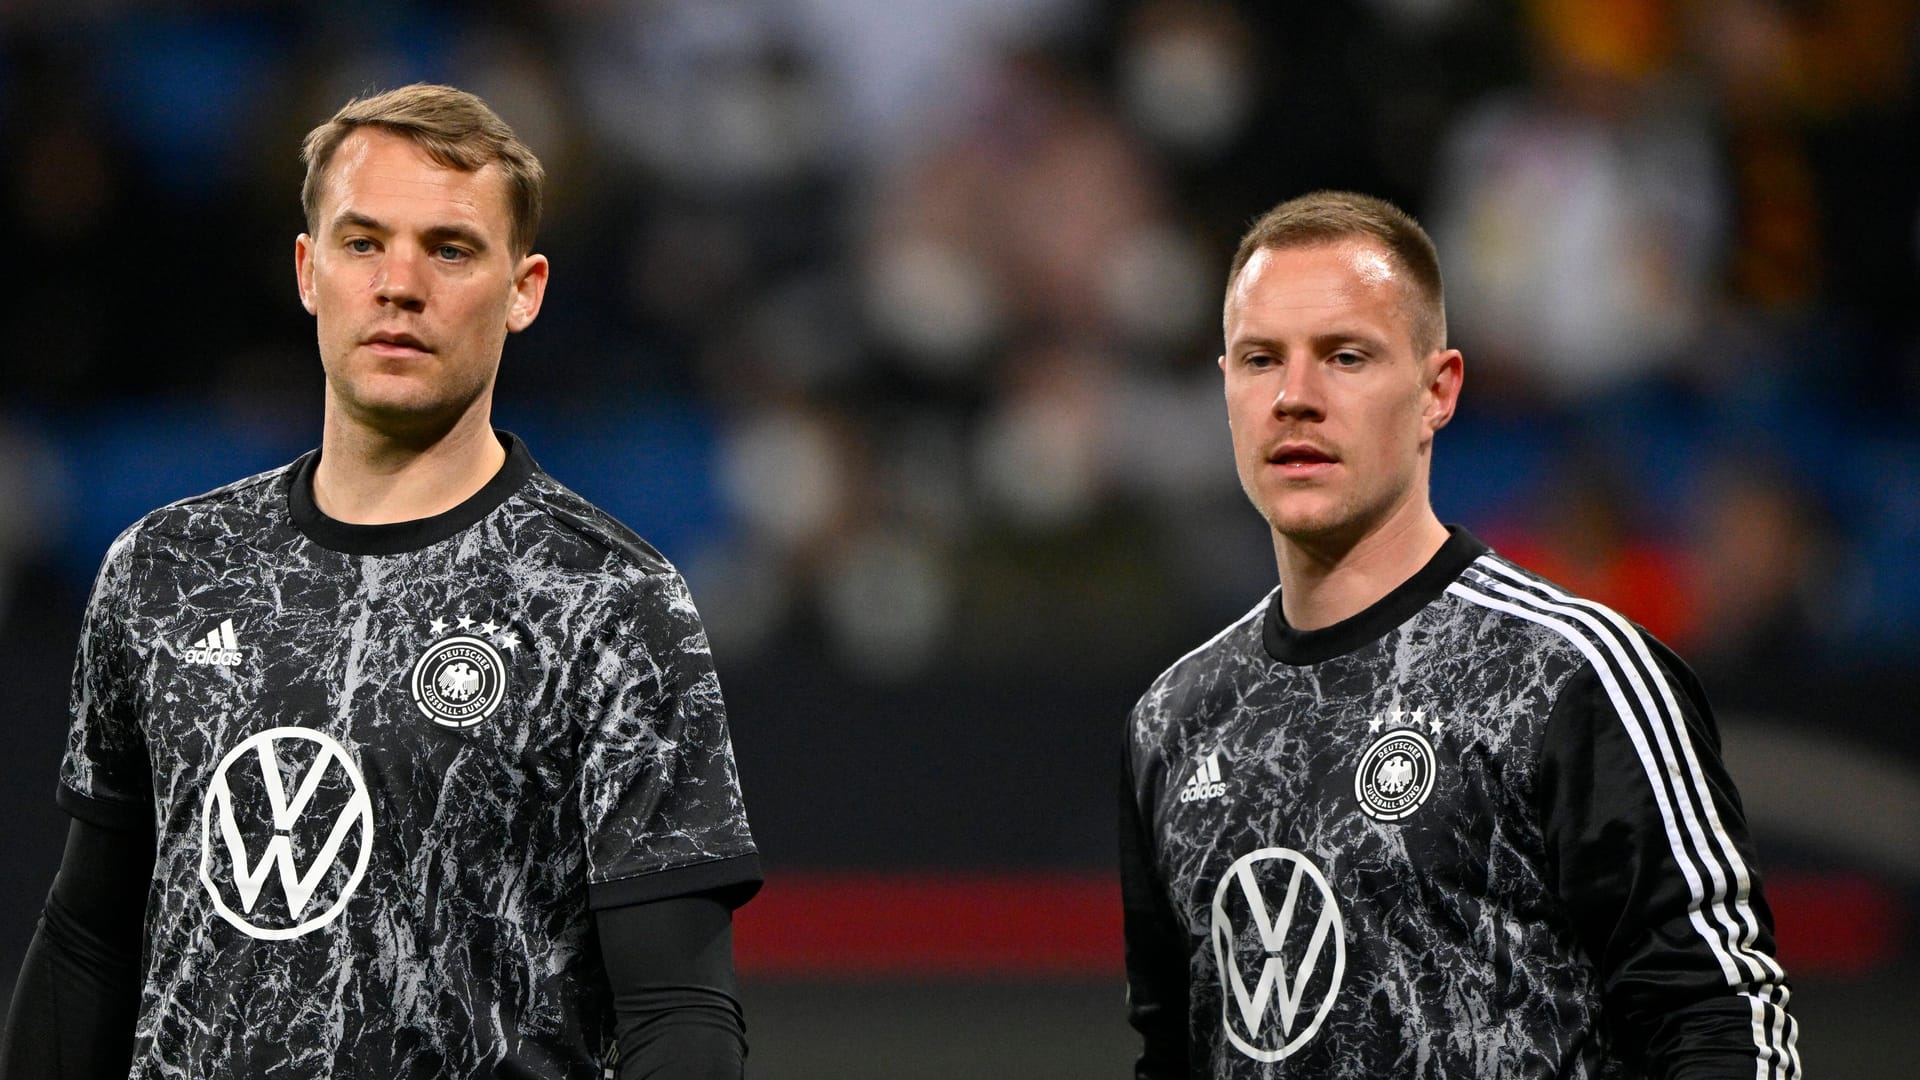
pixel 1254 341
pixel 458 234
pixel 1354 336
pixel 1320 342
pixel 353 219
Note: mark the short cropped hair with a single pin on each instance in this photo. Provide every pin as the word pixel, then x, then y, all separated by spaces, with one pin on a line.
pixel 1326 217
pixel 456 129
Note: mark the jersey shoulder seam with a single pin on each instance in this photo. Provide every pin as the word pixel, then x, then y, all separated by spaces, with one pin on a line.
pixel 158 518
pixel 227 490
pixel 567 509
pixel 1171 691
pixel 1535 604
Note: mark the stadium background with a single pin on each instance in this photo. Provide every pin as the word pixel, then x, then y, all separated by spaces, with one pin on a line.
pixel 892 322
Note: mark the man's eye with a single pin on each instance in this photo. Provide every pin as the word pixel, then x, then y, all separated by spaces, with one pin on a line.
pixel 450 253
pixel 1348 359
pixel 1261 360
pixel 360 245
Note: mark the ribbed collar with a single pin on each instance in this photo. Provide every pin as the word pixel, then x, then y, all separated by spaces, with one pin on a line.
pixel 402 536
pixel 1300 647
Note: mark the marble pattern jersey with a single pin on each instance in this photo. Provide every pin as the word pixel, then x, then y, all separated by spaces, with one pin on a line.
pixel 1478 830
pixel 391 770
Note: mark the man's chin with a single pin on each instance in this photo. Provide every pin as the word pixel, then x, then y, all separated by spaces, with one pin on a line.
pixel 404 416
pixel 1329 530
pixel 1307 518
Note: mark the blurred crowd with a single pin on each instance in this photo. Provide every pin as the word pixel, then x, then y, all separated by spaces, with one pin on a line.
pixel 896 320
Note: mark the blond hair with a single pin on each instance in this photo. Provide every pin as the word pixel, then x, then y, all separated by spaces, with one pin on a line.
pixel 1325 217
pixel 456 129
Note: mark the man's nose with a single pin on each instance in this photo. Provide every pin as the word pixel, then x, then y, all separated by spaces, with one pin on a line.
pixel 399 281
pixel 1300 390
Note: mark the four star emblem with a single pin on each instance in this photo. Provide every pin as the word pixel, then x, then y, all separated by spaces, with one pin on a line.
pixel 503 636
pixel 1405 718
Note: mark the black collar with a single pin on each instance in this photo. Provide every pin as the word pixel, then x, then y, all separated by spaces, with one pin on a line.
pixel 402 536
pixel 1300 647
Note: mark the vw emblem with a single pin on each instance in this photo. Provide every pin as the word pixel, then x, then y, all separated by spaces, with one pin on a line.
pixel 1281 951
pixel 302 792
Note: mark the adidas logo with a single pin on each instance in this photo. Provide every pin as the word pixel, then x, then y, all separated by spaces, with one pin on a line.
pixel 220 648
pixel 1206 783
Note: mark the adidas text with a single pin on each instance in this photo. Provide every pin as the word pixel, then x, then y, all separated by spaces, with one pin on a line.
pixel 1206 782
pixel 1195 792
pixel 216 657
pixel 219 648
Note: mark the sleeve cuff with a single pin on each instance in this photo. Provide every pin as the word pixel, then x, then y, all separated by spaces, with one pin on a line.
pixel 119 815
pixel 733 880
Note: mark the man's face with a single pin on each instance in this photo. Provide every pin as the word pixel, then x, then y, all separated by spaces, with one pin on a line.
pixel 412 285
pixel 1332 405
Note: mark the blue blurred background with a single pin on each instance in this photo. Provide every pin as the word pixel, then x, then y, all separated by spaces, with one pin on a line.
pixel 892 323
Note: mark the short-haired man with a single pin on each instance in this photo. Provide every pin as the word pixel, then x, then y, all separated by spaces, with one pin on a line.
pixel 402 760
pixel 1420 813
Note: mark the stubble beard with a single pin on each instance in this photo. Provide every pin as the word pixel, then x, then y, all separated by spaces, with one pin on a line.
pixel 419 417
pixel 1329 521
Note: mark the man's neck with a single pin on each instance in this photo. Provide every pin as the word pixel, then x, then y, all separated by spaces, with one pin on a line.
pixel 1323 583
pixel 367 478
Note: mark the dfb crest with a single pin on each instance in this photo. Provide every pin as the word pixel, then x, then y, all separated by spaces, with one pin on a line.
pixel 1395 776
pixel 459 681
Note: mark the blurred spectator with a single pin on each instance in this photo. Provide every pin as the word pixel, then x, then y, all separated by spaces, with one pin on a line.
pixel 1747 48
pixel 1764 559
pixel 1186 76
pixel 1026 210
pixel 899 65
pixel 1816 112
pixel 1585 533
pixel 1583 214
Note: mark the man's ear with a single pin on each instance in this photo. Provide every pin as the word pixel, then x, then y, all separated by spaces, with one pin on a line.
pixel 529 290
pixel 1443 388
pixel 303 269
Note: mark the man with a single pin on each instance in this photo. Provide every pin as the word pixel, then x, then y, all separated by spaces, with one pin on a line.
pixel 402 760
pixel 1420 813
